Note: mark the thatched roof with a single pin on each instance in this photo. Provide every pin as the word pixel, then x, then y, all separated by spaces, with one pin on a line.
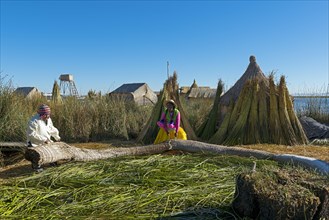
pixel 184 89
pixel 202 92
pixel 253 71
pixel 28 92
pixel 194 85
pixel 187 89
pixel 128 87
pixel 140 92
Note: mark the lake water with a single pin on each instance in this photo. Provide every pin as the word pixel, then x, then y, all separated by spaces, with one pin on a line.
pixel 318 104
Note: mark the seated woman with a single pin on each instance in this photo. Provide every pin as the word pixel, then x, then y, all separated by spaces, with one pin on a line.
pixel 170 124
pixel 40 130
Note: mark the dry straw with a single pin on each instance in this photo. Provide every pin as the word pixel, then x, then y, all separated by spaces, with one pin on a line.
pixel 253 120
pixel 238 132
pixel 221 133
pixel 263 114
pixel 274 119
pixel 286 127
pixel 56 94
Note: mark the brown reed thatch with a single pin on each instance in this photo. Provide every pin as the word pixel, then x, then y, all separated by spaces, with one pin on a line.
pixel 263 113
pixel 221 133
pixel 253 120
pixel 238 133
pixel 252 71
pixel 170 91
pixel 286 127
pixel 150 129
pixel 274 119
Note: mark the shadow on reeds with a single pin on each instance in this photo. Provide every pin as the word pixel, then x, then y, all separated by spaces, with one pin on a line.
pixel 17 171
pixel 203 213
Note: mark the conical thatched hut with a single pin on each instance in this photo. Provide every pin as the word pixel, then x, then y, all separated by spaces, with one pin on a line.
pixel 170 91
pixel 255 110
pixel 253 71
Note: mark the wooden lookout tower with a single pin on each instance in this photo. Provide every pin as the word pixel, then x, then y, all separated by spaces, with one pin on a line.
pixel 67 85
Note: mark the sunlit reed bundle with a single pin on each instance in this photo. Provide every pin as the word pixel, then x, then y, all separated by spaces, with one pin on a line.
pixel 286 127
pixel 56 94
pixel 296 125
pixel 252 136
pixel 221 133
pixel 208 129
pixel 170 91
pixel 150 129
pixel 274 119
pixel 237 134
pixel 262 114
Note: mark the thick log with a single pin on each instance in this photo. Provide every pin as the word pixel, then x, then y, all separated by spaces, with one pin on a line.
pixel 56 151
pixel 61 151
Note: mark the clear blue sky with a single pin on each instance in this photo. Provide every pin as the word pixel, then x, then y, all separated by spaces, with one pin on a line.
pixel 107 43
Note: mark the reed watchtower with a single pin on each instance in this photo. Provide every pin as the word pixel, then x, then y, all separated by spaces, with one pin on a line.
pixel 67 85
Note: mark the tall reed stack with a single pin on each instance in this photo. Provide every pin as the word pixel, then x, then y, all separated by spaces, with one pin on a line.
pixel 170 91
pixel 208 129
pixel 261 113
pixel 273 115
pixel 56 94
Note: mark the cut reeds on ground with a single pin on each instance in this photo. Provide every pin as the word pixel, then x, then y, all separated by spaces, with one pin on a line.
pixel 144 187
pixel 158 186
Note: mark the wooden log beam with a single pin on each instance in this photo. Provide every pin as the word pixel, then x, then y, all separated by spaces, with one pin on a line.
pixel 56 151
pixel 61 151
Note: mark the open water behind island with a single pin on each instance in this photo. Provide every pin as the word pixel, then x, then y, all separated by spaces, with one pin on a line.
pixel 318 104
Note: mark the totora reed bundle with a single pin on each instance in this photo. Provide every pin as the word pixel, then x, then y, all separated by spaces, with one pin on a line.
pixel 262 113
pixel 56 94
pixel 170 91
pixel 208 129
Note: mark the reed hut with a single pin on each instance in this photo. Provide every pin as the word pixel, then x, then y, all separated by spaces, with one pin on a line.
pixel 201 93
pixel 253 71
pixel 140 93
pixel 255 110
pixel 28 92
pixel 170 91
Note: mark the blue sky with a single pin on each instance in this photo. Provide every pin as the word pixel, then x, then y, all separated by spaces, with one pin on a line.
pixel 107 43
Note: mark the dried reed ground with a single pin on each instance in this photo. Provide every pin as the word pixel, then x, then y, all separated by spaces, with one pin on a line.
pixel 319 152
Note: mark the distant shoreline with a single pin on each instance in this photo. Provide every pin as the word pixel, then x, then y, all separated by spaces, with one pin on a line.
pixel 310 96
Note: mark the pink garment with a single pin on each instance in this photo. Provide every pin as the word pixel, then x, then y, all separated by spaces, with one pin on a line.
pixel 168 126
